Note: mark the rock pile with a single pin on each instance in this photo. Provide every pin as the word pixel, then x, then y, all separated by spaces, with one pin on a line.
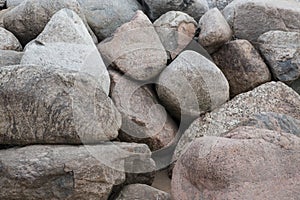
pixel 96 97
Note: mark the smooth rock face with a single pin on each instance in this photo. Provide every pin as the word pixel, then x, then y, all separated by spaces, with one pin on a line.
pixel 220 4
pixel 269 97
pixel 28 19
pixel 54 105
pixel 140 191
pixel 8 57
pixel 176 30
pixel 13 3
pixel 281 50
pixel 143 119
pixel 135 49
pixel 215 30
pixel 8 41
pixel 105 16
pixel 192 85
pixel 65 42
pixel 64 172
pixel 248 164
pixel 251 18
pixel 195 8
pixel 242 65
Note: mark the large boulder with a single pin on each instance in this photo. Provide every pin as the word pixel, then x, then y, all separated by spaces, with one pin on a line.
pixel 105 16
pixel 13 3
pixel 251 18
pixel 281 51
pixel 269 97
pixel 135 49
pixel 242 65
pixel 8 41
pixel 66 42
pixel 66 172
pixel 27 20
pixel 248 163
pixel 54 106
pixel 143 119
pixel 220 4
pixel 192 85
pixel 176 30
pixel 8 57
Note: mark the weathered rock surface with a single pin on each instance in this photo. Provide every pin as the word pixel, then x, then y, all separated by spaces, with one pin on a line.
pixel 105 16
pixel 220 4
pixel 143 119
pixel 156 8
pixel 8 57
pixel 192 85
pixel 281 50
pixel 13 3
pixel 248 164
pixel 139 191
pixel 65 172
pixel 176 30
pixel 27 20
pixel 54 106
pixel 269 97
pixel 215 30
pixel 242 65
pixel 8 41
pixel 2 12
pixel 251 18
pixel 65 42
pixel 135 49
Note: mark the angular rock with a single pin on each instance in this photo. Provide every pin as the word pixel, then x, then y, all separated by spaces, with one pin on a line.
pixel 105 16
pixel 242 65
pixel 248 164
pixel 64 172
pixel 27 20
pixel 192 85
pixel 176 30
pixel 281 50
pixel 8 57
pixel 65 42
pixel 143 119
pixel 251 18
pixel 135 49
pixel 8 41
pixel 139 191
pixel 54 106
pixel 269 97
pixel 220 4
pixel 156 8
pixel 215 30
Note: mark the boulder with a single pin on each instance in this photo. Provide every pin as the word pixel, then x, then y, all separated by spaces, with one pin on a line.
pixel 281 51
pixel 248 163
pixel 2 12
pixel 27 20
pixel 176 30
pixel 192 85
pixel 251 18
pixel 65 172
pixel 65 42
pixel 220 4
pixel 269 97
pixel 242 65
pixel 143 119
pixel 9 57
pixel 135 49
pixel 105 16
pixel 13 3
pixel 214 30
pixel 8 41
pixel 140 191
pixel 2 3
pixel 54 105
pixel 156 8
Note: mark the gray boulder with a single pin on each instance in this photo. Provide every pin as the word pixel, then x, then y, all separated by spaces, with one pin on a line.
pixel 135 49
pixel 192 85
pixel 65 42
pixel 105 16
pixel 2 3
pixel 220 4
pixel 281 50
pixel 2 12
pixel 52 105
pixel 8 57
pixel 251 18
pixel 8 41
pixel 13 3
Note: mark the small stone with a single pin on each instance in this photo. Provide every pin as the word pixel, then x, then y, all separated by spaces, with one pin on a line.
pixel 8 57
pixel 8 41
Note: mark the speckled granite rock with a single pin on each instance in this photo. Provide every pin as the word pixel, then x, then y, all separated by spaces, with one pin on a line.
pixel 8 41
pixel 8 57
